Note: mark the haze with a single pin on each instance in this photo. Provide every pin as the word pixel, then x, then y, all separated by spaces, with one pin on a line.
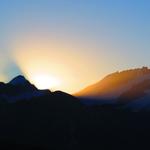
pixel 73 42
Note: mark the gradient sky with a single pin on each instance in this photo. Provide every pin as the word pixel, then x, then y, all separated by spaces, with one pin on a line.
pixel 75 41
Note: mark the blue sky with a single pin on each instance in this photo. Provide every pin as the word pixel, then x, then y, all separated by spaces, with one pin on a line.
pixel 109 35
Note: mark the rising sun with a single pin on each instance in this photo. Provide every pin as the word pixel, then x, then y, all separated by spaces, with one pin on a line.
pixel 43 81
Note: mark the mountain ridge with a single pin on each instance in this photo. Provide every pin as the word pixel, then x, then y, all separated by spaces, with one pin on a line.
pixel 57 120
pixel 19 80
pixel 112 83
pixel 19 88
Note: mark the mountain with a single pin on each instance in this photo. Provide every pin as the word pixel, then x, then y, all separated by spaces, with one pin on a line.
pixel 117 84
pixel 19 80
pixel 19 88
pixel 130 89
pixel 137 97
pixel 57 120
pixel 38 118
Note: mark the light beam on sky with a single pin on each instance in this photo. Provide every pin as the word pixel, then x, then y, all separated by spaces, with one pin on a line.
pixel 77 42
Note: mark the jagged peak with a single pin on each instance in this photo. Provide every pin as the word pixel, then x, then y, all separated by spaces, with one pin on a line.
pixel 18 80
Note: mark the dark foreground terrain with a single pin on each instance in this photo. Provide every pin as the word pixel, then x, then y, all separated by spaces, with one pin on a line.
pixel 45 120
pixel 60 121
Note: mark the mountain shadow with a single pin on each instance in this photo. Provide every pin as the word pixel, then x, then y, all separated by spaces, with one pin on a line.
pixel 45 120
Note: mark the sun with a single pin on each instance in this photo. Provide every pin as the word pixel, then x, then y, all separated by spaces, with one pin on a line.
pixel 43 81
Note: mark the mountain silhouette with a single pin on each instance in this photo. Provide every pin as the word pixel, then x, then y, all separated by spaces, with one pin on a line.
pixel 30 116
pixel 19 80
pixel 40 119
pixel 19 88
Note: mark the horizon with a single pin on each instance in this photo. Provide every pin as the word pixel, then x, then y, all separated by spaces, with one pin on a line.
pixel 68 45
pixel 74 74
pixel 79 90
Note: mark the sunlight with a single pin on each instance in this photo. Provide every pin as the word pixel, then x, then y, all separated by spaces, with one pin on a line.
pixel 43 81
pixel 51 64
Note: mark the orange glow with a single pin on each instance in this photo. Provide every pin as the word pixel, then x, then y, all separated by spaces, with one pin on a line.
pixel 62 63
pixel 51 65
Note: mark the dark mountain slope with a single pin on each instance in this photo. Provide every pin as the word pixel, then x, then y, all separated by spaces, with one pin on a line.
pixel 57 120
pixel 41 121
pixel 19 88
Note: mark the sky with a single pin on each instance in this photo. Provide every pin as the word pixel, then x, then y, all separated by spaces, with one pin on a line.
pixel 72 43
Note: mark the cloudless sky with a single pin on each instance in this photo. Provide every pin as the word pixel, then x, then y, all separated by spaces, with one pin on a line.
pixel 91 38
